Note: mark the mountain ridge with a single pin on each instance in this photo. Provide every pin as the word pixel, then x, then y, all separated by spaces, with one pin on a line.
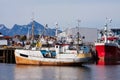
pixel 23 29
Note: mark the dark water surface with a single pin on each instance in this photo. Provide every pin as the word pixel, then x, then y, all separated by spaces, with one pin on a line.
pixel 87 72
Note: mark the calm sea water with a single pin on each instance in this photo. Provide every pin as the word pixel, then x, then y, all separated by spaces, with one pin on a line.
pixel 87 72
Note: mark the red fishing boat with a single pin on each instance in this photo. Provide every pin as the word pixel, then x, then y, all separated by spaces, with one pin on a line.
pixel 108 49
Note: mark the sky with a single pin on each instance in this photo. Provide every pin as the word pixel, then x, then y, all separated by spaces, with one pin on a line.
pixel 91 13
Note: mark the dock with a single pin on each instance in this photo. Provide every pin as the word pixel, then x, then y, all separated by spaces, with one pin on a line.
pixel 7 55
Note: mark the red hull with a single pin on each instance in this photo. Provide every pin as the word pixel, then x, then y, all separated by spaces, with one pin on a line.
pixel 107 53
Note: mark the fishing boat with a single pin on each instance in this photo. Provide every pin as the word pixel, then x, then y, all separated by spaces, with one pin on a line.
pixel 108 49
pixel 57 55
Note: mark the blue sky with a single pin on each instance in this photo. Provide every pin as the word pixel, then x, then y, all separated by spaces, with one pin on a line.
pixel 92 13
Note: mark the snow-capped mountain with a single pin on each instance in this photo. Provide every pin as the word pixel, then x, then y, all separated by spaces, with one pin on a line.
pixel 3 29
pixel 23 29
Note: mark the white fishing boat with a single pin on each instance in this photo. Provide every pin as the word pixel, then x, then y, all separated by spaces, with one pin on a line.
pixel 58 55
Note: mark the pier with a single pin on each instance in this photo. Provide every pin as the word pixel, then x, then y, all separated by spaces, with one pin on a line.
pixel 7 56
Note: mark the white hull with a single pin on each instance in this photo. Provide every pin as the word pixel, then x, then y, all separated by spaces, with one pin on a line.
pixel 35 57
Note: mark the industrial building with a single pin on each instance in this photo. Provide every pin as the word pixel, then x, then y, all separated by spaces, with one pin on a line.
pixel 88 35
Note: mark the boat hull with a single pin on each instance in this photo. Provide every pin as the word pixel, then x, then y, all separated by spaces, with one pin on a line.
pixel 37 59
pixel 45 63
pixel 108 54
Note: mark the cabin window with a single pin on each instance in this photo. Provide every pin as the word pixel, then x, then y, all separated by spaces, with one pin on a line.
pixel 23 55
pixel 56 46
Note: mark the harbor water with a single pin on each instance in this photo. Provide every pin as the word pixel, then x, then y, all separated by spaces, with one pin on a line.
pixel 86 72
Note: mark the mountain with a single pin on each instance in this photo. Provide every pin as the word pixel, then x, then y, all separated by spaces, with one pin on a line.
pixel 23 29
pixel 3 29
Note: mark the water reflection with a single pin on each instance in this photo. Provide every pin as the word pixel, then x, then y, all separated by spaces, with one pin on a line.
pixel 110 72
pixel 6 72
pixel 51 73
pixel 87 72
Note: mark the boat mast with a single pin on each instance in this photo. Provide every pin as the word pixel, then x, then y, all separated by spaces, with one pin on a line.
pixel 28 35
pixel 56 32
pixel 105 32
pixel 45 29
pixel 78 35
pixel 108 21
pixel 33 29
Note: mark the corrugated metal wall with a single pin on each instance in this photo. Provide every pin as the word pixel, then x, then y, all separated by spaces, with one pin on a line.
pixel 90 34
